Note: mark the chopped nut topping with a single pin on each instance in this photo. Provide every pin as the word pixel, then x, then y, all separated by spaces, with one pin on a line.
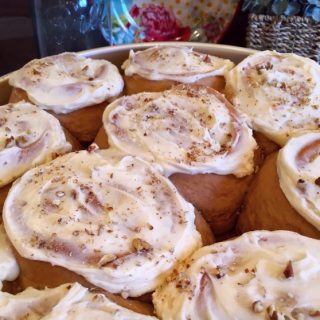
pixel 288 271
pixel 60 194
pixel 219 273
pixel 182 281
pixel 257 306
pixel 107 258
pixel 92 147
pixel 314 313
pixel 141 245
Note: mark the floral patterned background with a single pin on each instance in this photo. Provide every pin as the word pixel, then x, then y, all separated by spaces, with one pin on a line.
pixel 185 20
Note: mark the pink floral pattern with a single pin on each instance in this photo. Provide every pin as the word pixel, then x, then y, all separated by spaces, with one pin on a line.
pixel 159 23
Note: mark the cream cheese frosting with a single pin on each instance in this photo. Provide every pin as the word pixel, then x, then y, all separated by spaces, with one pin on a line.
pixel 67 82
pixel 180 64
pixel 110 218
pixel 9 269
pixel 298 167
pixel 190 129
pixel 28 137
pixel 260 275
pixel 280 93
pixel 66 302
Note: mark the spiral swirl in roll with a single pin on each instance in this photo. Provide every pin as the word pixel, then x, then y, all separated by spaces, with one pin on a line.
pixel 260 275
pixel 67 82
pixel 28 137
pixel 298 169
pixel 179 64
pixel 112 219
pixel 68 301
pixel 189 129
pixel 280 93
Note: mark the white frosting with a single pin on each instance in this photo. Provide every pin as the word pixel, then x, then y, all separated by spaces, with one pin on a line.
pixel 241 278
pixel 175 63
pixel 280 93
pixel 113 219
pixel 185 129
pixel 299 175
pixel 68 82
pixel 66 302
pixel 28 137
pixel 9 269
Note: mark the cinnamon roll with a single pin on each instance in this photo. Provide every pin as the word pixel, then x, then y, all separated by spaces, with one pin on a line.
pixel 279 93
pixel 68 301
pixel 112 219
pixel 28 137
pixel 286 191
pixel 9 269
pixel 194 135
pixel 74 89
pixel 260 275
pixel 159 68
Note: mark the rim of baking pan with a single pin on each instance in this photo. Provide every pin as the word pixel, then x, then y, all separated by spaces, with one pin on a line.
pixel 117 54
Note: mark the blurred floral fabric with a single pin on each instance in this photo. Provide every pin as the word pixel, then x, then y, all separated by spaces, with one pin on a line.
pixel 185 20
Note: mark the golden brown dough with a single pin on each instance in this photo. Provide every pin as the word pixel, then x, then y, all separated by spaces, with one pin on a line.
pixel 267 146
pixel 83 124
pixel 217 197
pixel 136 84
pixel 267 208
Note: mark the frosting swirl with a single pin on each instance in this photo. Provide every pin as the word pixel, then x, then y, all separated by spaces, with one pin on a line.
pixel 175 63
pixel 298 168
pixel 112 219
pixel 9 269
pixel 67 82
pixel 191 129
pixel 260 275
pixel 28 137
pixel 68 301
pixel 280 93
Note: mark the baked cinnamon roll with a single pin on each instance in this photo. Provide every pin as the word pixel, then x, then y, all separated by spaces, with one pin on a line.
pixel 260 275
pixel 194 135
pixel 286 192
pixel 74 89
pixel 113 220
pixel 68 301
pixel 279 93
pixel 9 269
pixel 159 68
pixel 28 137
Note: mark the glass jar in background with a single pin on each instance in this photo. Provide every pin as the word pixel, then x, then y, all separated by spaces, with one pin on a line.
pixel 73 25
pixel 127 21
pixel 68 25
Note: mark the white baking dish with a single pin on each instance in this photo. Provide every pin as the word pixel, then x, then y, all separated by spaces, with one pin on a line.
pixel 118 54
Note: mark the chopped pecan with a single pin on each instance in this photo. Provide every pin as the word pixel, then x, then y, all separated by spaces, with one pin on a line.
pixel 141 245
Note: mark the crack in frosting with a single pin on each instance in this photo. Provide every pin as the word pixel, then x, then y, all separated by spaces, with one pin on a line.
pixel 175 63
pixel 190 129
pixel 112 219
pixel 28 137
pixel 9 269
pixel 280 93
pixel 68 301
pixel 260 275
pixel 298 168
pixel 67 82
